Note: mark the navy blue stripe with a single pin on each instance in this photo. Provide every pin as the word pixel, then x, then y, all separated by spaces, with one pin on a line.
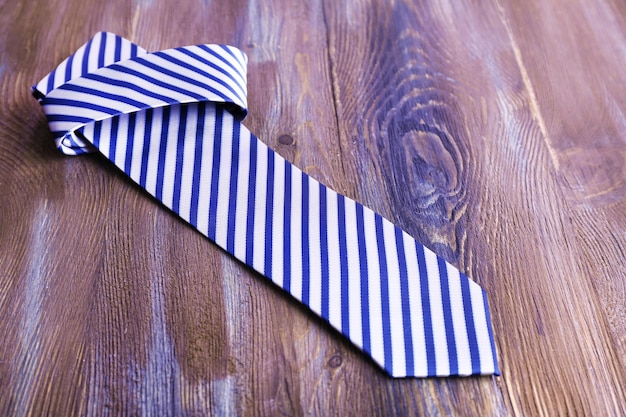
pixel 431 359
pixel 118 49
pixel 214 66
pixel 50 85
pixel 384 292
pixel 251 201
pixel 287 229
pixel 133 50
pixel 306 262
pixel 269 210
pixel 101 51
pixel 67 118
pixel 97 130
pixel 115 124
pixel 58 133
pixel 85 63
pixel 177 76
pixel 78 104
pixel 447 317
pixel 145 152
pixel 130 86
pixel 406 303
pixel 324 251
pixel 232 200
pixel 363 268
pixel 215 172
pixel 68 68
pixel 103 94
pixel 197 166
pixel 198 71
pixel 469 323
pixel 128 162
pixel 180 152
pixel 343 264
pixel 162 151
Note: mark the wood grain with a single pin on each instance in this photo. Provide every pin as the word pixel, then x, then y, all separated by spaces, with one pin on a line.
pixel 491 131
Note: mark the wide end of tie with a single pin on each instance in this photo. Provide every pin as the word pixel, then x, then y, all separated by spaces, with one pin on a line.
pixel 442 329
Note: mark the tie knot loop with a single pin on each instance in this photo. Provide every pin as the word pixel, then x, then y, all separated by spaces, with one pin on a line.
pixel 110 76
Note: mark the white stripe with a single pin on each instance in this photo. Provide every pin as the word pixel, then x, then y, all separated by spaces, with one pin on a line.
pixel 206 170
pixel 481 325
pixel 125 50
pixel 59 74
pixel 436 310
pixel 278 216
pixel 260 202
pixel 295 262
pixel 375 304
pixel 334 260
pixel 241 209
pixel 122 142
pixel 223 192
pixel 70 110
pixel 109 49
pixel 92 59
pixel 461 339
pixel 140 131
pixel 77 63
pixel 354 274
pixel 417 315
pixel 64 126
pixel 105 138
pixel 153 153
pixel 395 300
pixel 171 149
pixel 315 256
pixel 189 153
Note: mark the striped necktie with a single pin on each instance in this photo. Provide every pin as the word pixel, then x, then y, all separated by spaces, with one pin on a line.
pixel 171 120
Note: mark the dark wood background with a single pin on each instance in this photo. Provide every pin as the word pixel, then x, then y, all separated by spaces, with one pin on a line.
pixel 494 132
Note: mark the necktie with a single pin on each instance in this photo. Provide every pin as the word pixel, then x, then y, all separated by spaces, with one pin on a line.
pixel 171 120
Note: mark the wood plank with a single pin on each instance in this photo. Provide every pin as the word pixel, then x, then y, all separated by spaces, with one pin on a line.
pixel 588 151
pixel 494 133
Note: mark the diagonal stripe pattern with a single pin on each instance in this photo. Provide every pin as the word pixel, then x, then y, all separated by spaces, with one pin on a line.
pixel 171 121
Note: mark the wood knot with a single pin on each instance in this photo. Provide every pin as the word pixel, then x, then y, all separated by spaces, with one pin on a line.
pixel 335 361
pixel 285 139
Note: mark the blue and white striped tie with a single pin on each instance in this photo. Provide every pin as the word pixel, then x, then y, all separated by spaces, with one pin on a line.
pixel 171 121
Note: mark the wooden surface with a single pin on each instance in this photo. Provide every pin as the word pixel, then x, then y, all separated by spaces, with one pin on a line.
pixel 494 132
